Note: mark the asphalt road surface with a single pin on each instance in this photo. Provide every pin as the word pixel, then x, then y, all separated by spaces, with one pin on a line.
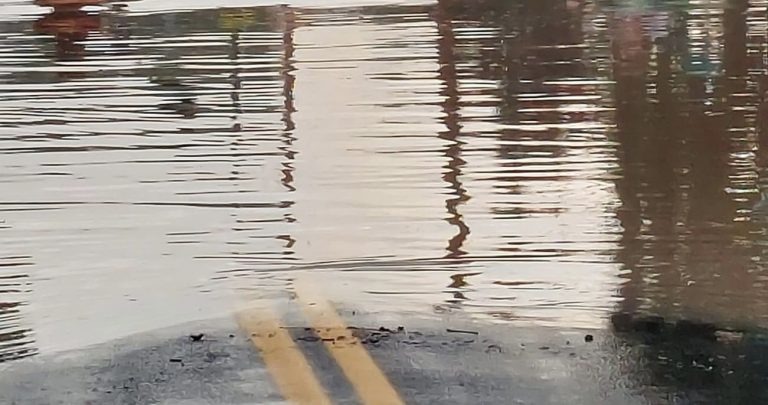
pixel 347 356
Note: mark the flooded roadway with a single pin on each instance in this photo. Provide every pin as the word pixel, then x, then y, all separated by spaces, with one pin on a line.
pixel 554 163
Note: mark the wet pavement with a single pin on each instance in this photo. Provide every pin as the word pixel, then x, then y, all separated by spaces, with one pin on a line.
pixel 162 367
pixel 440 359
pixel 532 168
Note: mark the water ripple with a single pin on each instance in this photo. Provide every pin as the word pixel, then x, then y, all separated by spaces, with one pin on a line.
pixel 547 161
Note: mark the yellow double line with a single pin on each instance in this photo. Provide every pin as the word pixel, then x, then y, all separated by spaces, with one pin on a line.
pixel 291 370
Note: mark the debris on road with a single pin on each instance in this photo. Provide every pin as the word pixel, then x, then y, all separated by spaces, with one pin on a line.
pixel 493 349
pixel 471 332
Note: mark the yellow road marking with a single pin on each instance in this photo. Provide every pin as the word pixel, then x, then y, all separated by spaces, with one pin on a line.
pixel 370 383
pixel 288 366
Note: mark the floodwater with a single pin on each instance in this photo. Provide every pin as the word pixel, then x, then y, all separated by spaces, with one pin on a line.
pixel 555 162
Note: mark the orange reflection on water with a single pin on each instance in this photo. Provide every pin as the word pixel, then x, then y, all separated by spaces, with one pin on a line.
pixel 69 25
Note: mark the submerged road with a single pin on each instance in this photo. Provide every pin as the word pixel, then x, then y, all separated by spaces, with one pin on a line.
pixel 308 352
pixel 562 161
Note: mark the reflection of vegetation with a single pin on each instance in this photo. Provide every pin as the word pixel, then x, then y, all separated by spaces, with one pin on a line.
pixel 685 114
pixel 240 19
pixel 683 142
pixel 686 131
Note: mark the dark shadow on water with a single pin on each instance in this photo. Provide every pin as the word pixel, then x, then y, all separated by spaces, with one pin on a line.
pixel 16 336
pixel 690 362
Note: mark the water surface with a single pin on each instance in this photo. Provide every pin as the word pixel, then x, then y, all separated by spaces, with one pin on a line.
pixel 547 161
